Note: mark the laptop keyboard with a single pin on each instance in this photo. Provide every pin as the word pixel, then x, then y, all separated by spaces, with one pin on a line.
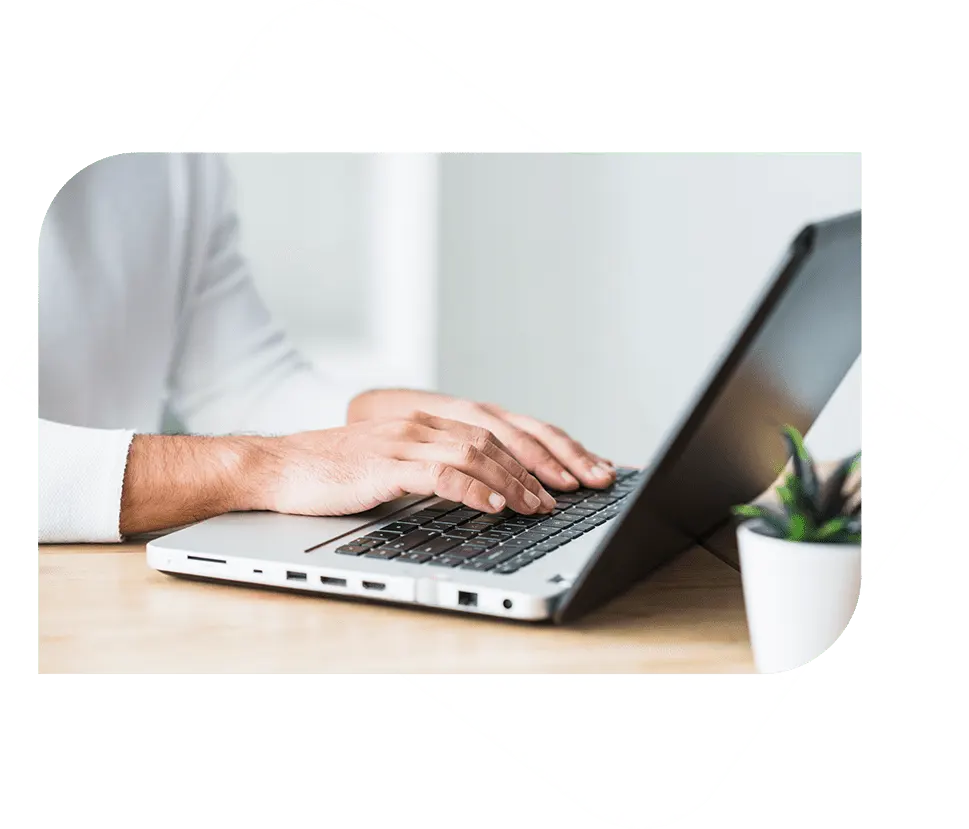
pixel 453 535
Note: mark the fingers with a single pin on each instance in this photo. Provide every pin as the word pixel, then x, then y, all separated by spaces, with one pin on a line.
pixel 470 460
pixel 423 478
pixel 477 453
pixel 558 455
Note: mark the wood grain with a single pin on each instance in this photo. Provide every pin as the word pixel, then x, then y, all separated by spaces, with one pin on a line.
pixel 102 609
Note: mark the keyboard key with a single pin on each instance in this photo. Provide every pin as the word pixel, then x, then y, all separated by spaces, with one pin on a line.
pixel 413 558
pixel 382 534
pixel 478 565
pixel 351 550
pixel 445 561
pixel 429 512
pixel 367 541
pixel 465 514
pixel 505 569
pixel 495 535
pixel 476 527
pixel 548 546
pixel 497 555
pixel 450 520
pixel 530 538
pixel 398 527
pixel 417 519
pixel 517 543
pixel 446 506
pixel 465 552
pixel 437 526
pixel 411 539
pixel 478 541
pixel 383 552
pixel 572 497
pixel 491 520
pixel 560 523
pixel 460 534
pixel 437 545
pixel 580 510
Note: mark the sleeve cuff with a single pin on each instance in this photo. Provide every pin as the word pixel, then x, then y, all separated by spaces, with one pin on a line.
pixel 81 473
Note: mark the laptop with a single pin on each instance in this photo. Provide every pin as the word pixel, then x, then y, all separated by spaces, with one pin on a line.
pixel 788 358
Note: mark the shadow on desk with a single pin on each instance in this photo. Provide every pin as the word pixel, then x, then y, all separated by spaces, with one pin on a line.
pixel 102 609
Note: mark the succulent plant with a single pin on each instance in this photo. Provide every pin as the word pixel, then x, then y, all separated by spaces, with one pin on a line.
pixel 811 511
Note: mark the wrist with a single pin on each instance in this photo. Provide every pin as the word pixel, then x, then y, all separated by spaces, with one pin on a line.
pixel 251 464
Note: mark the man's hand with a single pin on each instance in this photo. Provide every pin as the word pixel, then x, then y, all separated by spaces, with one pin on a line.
pixel 173 480
pixel 544 450
pixel 357 467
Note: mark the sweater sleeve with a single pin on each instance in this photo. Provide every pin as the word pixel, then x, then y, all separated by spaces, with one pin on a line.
pixel 235 370
pixel 81 472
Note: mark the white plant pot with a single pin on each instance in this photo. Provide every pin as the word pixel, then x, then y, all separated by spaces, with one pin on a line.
pixel 799 597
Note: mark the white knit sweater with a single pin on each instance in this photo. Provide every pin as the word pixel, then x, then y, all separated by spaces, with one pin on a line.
pixel 145 302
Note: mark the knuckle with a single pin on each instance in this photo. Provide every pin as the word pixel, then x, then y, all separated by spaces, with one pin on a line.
pixel 437 472
pixel 481 437
pixel 407 429
pixel 554 430
pixel 469 452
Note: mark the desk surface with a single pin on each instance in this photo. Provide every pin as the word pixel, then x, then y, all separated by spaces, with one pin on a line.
pixel 103 609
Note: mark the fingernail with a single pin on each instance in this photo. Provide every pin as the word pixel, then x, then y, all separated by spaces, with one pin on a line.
pixel 547 500
pixel 496 501
pixel 569 479
pixel 599 472
pixel 532 501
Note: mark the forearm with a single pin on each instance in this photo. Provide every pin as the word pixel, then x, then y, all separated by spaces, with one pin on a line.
pixel 172 480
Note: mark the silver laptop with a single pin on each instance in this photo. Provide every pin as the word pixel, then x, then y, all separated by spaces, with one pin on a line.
pixel 785 363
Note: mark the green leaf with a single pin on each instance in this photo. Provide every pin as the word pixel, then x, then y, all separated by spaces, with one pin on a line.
pixel 774 523
pixel 797 528
pixel 804 470
pixel 830 528
pixel 798 502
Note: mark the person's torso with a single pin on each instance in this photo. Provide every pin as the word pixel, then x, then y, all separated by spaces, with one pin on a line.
pixel 113 253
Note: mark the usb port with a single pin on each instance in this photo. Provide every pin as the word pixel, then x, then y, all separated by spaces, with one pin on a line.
pixel 374 585
pixel 333 581
pixel 466 599
pixel 292 575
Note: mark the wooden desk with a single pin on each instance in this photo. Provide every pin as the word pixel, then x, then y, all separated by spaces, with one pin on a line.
pixel 103 610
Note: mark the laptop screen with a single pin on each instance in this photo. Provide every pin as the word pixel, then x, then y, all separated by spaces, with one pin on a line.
pixel 787 361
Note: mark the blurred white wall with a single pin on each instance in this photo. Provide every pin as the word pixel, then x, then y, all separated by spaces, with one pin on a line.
pixel 304 221
pixel 343 248
pixel 597 290
pixel 591 290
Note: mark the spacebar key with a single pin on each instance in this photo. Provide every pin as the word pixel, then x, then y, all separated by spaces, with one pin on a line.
pixel 409 541
pixel 437 546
